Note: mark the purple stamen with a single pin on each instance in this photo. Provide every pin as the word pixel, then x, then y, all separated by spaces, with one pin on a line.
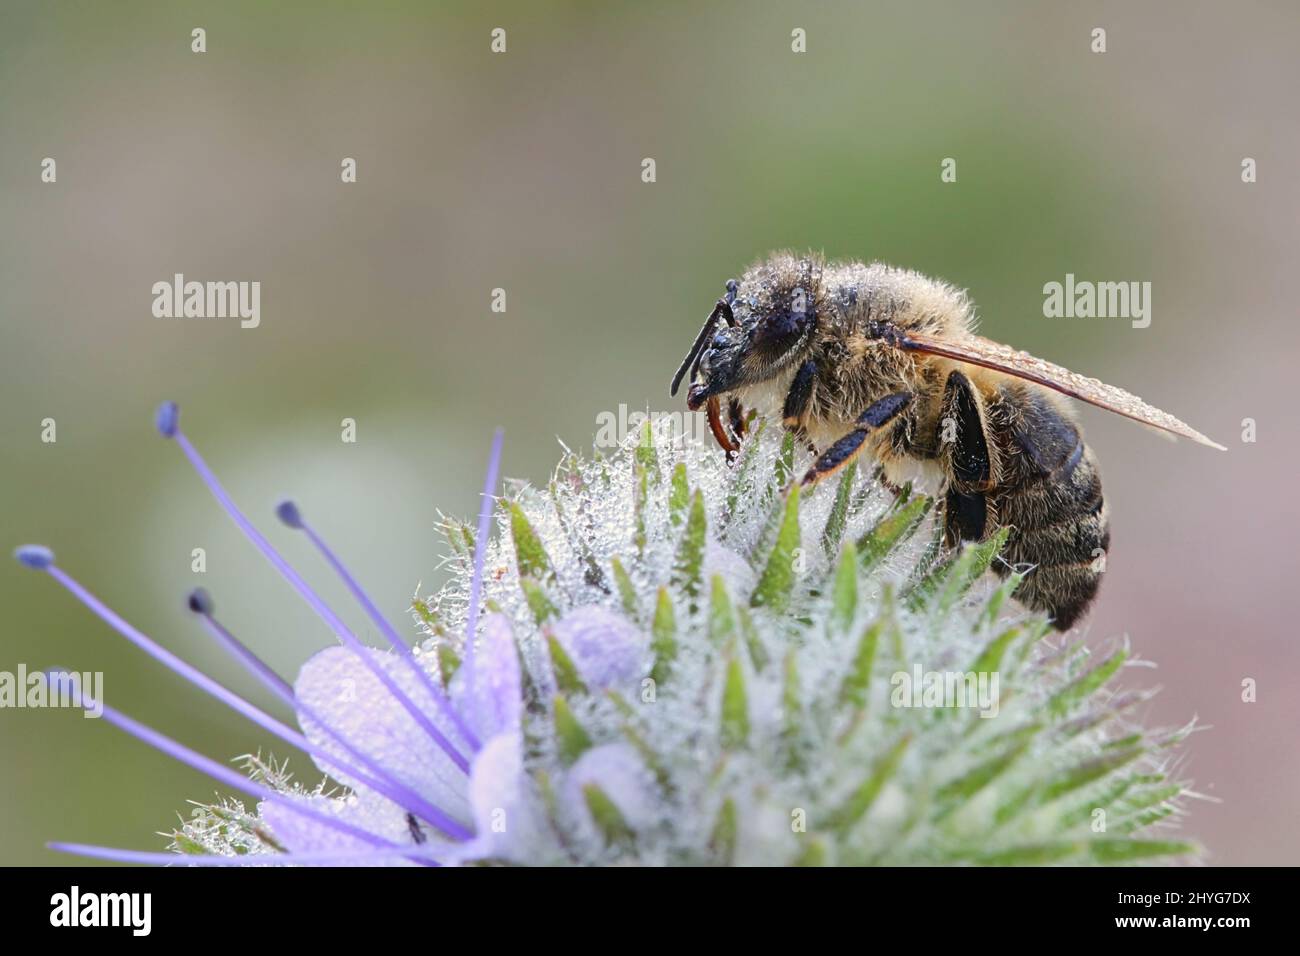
pixel 480 551
pixel 170 660
pixel 292 518
pixel 168 419
pixel 402 796
pixel 225 775
pixel 34 556
pixel 288 513
pixel 167 415
pixel 119 855
pixel 200 603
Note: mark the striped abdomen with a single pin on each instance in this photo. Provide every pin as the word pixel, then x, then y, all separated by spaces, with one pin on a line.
pixel 1017 461
pixel 1052 500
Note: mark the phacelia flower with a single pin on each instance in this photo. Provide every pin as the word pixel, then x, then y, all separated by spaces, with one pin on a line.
pixel 663 658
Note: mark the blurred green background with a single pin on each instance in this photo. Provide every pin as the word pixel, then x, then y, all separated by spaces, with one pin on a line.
pixel 522 171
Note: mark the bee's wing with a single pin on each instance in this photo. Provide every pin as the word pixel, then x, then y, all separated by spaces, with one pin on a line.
pixel 977 350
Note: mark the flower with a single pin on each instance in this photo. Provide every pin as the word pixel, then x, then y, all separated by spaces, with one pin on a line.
pixel 664 659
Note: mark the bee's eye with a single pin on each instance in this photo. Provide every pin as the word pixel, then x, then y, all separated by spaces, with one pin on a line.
pixel 780 323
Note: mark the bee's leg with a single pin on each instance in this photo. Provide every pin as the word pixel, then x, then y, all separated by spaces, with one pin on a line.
pixel 798 402
pixel 879 414
pixel 964 449
pixel 964 517
pixel 736 412
pixel 719 432
pixel 799 398
pixel 878 478
pixel 794 415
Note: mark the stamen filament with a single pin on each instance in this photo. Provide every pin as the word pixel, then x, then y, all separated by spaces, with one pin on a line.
pixel 290 515
pixel 304 589
pixel 120 855
pixel 201 604
pixel 399 792
pixel 171 661
pixel 192 758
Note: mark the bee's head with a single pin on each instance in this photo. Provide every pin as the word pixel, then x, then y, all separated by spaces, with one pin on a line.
pixel 755 331
pixel 720 366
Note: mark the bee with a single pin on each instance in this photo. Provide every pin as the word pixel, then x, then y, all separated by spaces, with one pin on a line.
pixel 884 361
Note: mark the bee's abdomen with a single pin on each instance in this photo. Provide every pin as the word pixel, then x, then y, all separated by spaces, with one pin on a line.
pixel 1058 519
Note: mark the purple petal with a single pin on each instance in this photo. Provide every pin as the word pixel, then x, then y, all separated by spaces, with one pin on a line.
pixel 619 772
pixel 369 857
pixel 491 695
pixel 340 690
pixel 607 650
pixel 323 610
pixel 496 794
pixel 302 834
pixel 740 578
pixel 509 819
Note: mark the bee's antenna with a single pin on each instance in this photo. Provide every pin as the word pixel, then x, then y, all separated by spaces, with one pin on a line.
pixel 709 324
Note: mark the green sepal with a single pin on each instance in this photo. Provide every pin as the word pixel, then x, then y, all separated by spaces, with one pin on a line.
pixel 722 617
pixel 990 659
pixel 1112 851
pixel 735 705
pixel 758 655
pixel 860 801
pixel 540 605
pixel 448 662
pixel 743 467
pixel 607 816
pixel 663 643
pixel 690 554
pixel 645 454
pixel 853 689
pixel 571 738
pixel 814 854
pixel 722 841
pixel 640 498
pixel 958 791
pixel 833 533
pixel 785 459
pixel 567 678
pixel 529 552
pixel 947 583
pixel 844 591
pixel 679 494
pixel 791 712
pixel 774 586
pixel 891 530
pixel 1084 686
pixel 428 616
pixel 626 591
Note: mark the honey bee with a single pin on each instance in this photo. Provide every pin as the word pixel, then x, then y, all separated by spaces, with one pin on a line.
pixel 870 358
